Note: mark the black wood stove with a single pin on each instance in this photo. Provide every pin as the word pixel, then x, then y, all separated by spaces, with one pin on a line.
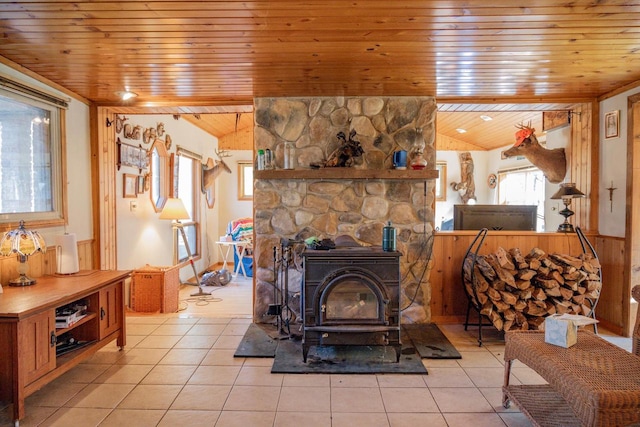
pixel 351 296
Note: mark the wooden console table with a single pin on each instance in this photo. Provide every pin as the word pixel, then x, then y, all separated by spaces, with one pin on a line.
pixel 34 352
pixel 592 383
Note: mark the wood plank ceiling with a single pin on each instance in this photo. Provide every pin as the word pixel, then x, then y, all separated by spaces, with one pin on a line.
pixel 194 57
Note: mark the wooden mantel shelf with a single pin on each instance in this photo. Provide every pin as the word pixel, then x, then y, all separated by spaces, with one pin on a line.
pixel 346 173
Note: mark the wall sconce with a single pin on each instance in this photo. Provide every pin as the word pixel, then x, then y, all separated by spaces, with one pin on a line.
pixel 23 243
pixel 567 192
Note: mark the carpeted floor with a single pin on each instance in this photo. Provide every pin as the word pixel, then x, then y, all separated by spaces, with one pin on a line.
pixel 419 341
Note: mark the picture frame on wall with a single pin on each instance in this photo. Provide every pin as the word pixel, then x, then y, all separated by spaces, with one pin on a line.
pixel 133 156
pixel 140 182
pixel 130 185
pixel 555 119
pixel 612 124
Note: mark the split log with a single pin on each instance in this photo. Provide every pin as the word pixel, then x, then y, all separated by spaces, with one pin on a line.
pixel 503 274
pixel 518 258
pixel 567 259
pixel 534 264
pixel 504 259
pixel 546 283
pixel 539 294
pixel 508 297
pixel 526 274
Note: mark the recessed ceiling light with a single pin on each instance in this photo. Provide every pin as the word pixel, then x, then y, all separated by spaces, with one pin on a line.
pixel 126 95
pixel 460 130
pixel 486 118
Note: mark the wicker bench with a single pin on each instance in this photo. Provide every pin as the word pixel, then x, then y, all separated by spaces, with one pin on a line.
pixel 593 383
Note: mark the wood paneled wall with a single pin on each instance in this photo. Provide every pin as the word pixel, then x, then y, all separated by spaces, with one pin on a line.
pixel 448 297
pixel 609 311
pixel 45 263
pixel 583 161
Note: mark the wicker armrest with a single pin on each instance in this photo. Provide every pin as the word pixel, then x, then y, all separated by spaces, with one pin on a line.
pixel 635 292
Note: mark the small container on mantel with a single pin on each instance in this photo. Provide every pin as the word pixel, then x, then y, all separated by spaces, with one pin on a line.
pixel 388 238
pixel 289 155
pixel 260 160
pixel 418 162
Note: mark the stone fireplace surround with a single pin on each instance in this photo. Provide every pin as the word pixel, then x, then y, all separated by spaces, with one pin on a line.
pixel 297 205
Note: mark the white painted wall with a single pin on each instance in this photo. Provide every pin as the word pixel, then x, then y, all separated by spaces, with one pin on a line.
pixel 78 154
pixel 231 208
pixel 613 168
pixel 142 238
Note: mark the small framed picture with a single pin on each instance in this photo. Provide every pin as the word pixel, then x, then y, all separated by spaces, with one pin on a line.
pixel 140 181
pixel 555 119
pixel 130 185
pixel 612 124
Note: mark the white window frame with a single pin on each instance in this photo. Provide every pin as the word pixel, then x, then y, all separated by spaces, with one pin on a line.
pixel 56 109
pixel 503 174
pixel 191 226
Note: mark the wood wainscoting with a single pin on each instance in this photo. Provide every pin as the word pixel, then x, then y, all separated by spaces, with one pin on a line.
pixel 615 298
pixel 448 297
pixel 45 263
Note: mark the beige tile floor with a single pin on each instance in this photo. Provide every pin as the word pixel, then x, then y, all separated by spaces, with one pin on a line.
pixel 178 370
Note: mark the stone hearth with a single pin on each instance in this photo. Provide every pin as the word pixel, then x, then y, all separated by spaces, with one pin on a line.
pixel 299 208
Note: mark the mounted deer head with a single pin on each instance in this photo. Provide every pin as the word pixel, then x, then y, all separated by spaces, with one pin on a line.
pixel 210 172
pixel 552 163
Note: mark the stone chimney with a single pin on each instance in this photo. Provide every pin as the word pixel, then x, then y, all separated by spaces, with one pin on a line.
pixel 299 206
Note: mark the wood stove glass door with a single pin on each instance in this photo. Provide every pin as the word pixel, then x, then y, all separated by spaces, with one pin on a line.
pixel 351 299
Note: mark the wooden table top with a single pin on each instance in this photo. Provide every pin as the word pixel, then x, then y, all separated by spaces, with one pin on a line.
pixel 52 291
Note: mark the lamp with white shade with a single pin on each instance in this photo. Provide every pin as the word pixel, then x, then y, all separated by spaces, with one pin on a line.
pixel 175 211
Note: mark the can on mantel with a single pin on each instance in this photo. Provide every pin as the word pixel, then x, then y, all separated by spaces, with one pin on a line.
pixel 388 238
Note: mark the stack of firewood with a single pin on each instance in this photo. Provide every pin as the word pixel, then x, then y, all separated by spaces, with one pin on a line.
pixel 518 292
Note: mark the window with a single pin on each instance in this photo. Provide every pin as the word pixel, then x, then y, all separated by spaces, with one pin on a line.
pixel 524 186
pixel 31 172
pixel 245 180
pixel 187 170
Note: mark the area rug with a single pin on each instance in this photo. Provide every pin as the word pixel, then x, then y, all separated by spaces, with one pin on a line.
pixel 419 341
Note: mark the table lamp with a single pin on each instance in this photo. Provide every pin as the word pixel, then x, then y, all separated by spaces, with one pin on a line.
pixel 567 192
pixel 175 211
pixel 24 243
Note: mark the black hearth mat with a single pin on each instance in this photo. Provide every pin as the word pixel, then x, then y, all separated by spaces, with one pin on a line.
pixel 345 360
pixel 262 341
pixel 429 341
pixel 258 342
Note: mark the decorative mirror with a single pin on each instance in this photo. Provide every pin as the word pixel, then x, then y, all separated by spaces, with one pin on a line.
pixel 160 175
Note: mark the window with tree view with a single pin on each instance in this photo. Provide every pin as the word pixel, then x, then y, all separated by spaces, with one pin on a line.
pixel 523 186
pixel 30 160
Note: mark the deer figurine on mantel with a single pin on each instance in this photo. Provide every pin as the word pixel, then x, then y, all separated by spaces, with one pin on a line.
pixel 552 162
pixel 210 172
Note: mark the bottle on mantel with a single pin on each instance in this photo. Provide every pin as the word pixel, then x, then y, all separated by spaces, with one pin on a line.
pixel 418 162
pixel 289 155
